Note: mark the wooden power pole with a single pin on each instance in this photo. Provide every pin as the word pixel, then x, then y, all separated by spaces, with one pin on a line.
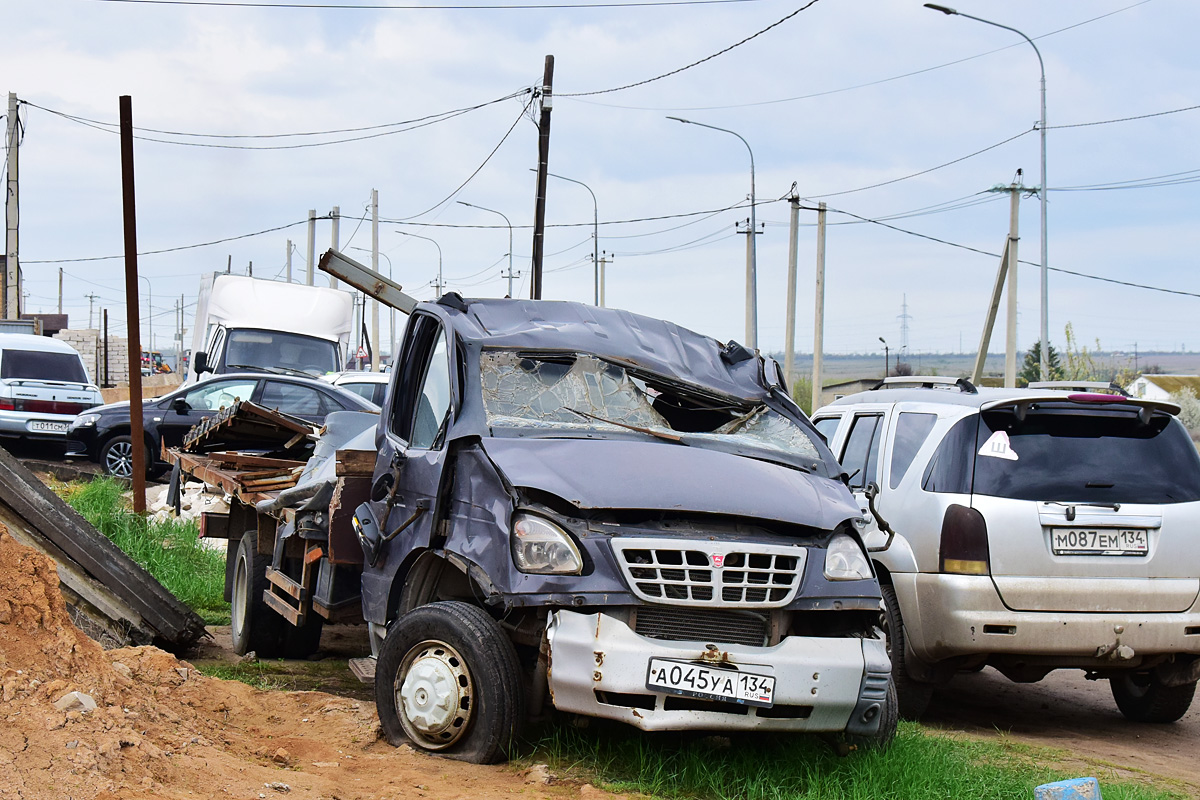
pixel 539 209
pixel 136 434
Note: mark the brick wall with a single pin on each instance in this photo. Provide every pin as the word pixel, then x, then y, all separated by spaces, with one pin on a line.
pixel 90 344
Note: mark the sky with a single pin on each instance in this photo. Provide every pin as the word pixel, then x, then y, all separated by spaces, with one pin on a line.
pixel 890 113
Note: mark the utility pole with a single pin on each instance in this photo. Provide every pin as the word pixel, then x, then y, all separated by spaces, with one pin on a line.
pixel 288 262
pixel 12 269
pixel 819 314
pixel 539 209
pixel 1006 271
pixel 91 298
pixel 375 268
pixel 789 335
pixel 60 276
pixel 510 275
pixel 312 246
pixel 336 216
pixel 129 214
pixel 604 259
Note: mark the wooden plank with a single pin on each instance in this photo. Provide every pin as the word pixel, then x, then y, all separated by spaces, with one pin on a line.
pixel 246 460
pixel 348 495
pixel 281 607
pixel 175 625
pixel 355 462
pixel 285 583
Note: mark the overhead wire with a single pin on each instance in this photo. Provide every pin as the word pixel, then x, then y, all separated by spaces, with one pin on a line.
pixel 410 7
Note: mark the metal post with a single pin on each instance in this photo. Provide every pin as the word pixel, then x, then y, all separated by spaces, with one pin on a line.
pixel 539 209
pixel 1010 340
pixel 129 209
pixel 751 247
pixel 789 332
pixel 104 313
pixel 1045 187
pixel 12 270
pixel 604 259
pixel 819 314
pixel 289 261
pixel 312 246
pixel 374 267
pixel 60 277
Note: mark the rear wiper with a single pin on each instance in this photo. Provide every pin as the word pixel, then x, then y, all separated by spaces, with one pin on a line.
pixel 670 437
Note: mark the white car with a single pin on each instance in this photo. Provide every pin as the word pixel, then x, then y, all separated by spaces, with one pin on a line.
pixel 370 386
pixel 1034 529
pixel 43 385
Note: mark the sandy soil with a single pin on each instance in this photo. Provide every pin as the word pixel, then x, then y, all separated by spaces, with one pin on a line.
pixel 160 729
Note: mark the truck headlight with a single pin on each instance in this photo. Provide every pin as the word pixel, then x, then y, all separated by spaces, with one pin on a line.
pixel 540 546
pixel 845 560
pixel 84 421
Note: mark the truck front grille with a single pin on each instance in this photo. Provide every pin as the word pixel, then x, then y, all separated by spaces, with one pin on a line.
pixel 702 625
pixel 708 573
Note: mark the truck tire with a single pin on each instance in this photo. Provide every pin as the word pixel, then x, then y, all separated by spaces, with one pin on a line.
pixel 913 696
pixel 448 681
pixel 302 642
pixel 1141 697
pixel 253 626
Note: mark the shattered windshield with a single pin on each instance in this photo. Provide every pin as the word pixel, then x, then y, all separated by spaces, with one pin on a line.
pixel 585 394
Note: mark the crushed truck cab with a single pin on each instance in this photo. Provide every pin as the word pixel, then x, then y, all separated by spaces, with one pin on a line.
pixel 590 510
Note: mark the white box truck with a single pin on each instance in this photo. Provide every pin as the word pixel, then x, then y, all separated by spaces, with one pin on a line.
pixel 250 324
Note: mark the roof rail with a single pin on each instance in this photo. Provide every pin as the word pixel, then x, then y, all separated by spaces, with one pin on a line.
pixel 926 382
pixel 1080 386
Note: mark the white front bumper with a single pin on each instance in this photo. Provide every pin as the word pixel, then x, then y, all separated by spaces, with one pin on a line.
pixel 821 679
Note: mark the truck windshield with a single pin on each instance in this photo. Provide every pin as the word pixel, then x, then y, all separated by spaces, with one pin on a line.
pixel 587 395
pixel 269 350
pixel 42 366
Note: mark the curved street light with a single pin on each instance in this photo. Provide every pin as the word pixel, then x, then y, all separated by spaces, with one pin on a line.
pixel 1045 311
pixel 752 265
pixel 437 284
pixel 595 233
pixel 510 238
pixel 149 316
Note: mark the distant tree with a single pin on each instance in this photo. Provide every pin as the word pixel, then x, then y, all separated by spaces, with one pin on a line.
pixel 802 388
pixel 1189 410
pixel 1153 369
pixel 902 369
pixel 1031 370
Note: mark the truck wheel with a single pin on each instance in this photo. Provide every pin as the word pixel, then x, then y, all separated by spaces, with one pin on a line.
pixel 912 695
pixel 253 625
pixel 447 680
pixel 302 642
pixel 117 457
pixel 1143 698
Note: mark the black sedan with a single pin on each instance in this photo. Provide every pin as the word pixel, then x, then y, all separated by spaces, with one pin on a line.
pixel 102 434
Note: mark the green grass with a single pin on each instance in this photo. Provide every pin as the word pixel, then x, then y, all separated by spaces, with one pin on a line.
pixel 258 674
pixel 170 551
pixel 918 766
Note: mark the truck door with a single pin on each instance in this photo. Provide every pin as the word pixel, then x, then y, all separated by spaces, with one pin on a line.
pixel 413 448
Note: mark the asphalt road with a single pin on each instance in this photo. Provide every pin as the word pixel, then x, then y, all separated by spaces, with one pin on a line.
pixel 1066 711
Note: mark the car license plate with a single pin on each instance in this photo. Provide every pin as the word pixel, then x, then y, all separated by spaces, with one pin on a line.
pixel 53 427
pixel 1098 542
pixel 696 680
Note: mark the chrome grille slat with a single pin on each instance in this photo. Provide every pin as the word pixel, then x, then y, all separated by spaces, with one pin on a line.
pixel 710 573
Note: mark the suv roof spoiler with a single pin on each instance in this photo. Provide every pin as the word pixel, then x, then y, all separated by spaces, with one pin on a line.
pixel 926 382
pixel 1081 386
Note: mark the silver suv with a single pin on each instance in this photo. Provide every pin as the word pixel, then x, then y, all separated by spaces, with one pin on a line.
pixel 1029 530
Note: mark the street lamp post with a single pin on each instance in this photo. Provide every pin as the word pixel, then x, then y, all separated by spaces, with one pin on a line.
pixel 510 275
pixel 595 234
pixel 752 250
pixel 439 283
pixel 886 365
pixel 149 316
pixel 1045 311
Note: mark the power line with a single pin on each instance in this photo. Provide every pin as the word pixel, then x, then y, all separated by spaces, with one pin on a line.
pixel 575 224
pixel 390 7
pixel 1122 119
pixel 173 249
pixel 858 85
pixel 722 52
pixel 1030 263
pixel 1171 179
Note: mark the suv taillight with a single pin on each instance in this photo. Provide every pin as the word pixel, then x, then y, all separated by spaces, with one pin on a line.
pixel 964 548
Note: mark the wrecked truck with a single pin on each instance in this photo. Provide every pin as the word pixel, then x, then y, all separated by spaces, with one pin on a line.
pixel 567 507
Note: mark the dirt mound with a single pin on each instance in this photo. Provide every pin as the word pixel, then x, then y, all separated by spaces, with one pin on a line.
pixel 160 729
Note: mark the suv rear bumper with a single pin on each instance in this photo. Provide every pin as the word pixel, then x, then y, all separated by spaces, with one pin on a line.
pixel 821 684
pixel 955 615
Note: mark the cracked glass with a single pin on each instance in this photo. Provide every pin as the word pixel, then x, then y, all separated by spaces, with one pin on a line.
pixel 585 393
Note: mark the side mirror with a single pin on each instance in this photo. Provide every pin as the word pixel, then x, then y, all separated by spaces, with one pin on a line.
pixel 200 363
pixel 383 487
pixel 181 406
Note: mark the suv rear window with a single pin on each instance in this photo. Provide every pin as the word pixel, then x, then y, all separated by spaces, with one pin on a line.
pixel 1084 454
pixel 42 366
